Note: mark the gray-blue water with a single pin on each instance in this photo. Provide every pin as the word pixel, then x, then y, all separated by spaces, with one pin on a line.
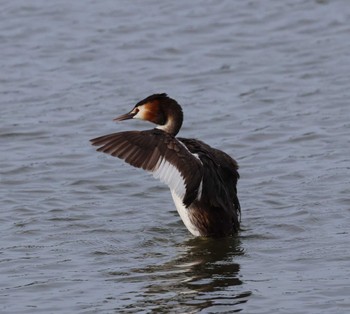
pixel 266 81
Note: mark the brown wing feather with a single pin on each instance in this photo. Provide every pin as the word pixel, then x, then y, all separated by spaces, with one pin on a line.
pixel 145 149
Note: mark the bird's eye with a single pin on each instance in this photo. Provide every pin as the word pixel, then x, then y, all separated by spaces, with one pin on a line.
pixel 135 111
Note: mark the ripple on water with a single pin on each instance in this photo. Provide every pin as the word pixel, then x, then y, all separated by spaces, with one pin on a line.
pixel 83 232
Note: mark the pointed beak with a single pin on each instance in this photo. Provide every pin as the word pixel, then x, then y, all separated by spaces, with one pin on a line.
pixel 125 116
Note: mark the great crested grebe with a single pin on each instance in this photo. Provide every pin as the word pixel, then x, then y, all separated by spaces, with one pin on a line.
pixel 202 179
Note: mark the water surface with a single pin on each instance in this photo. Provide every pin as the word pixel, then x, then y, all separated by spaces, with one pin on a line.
pixel 268 82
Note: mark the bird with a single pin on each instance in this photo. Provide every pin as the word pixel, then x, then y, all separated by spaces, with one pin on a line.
pixel 202 179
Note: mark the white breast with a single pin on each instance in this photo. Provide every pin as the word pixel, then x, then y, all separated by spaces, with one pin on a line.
pixel 184 214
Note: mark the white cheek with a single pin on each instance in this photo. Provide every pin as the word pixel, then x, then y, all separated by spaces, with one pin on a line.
pixel 141 113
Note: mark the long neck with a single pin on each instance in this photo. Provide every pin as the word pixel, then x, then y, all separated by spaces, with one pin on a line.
pixel 174 119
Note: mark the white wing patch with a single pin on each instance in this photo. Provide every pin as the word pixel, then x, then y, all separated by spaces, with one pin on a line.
pixel 171 176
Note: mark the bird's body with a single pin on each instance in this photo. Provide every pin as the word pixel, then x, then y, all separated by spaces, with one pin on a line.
pixel 202 179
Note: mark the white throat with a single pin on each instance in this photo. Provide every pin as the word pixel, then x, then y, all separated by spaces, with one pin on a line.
pixel 167 127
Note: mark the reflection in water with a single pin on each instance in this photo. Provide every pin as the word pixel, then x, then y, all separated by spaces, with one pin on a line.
pixel 204 276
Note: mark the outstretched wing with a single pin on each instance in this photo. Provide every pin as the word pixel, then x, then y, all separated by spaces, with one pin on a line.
pixel 160 153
